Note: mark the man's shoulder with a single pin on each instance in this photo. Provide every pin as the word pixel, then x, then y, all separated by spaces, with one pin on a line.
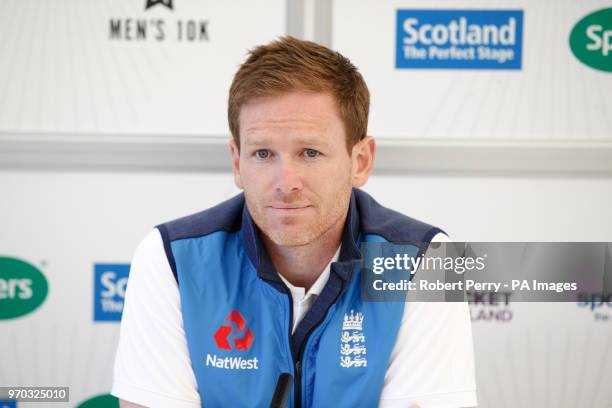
pixel 392 225
pixel 225 216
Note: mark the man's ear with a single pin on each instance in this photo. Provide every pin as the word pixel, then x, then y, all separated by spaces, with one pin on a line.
pixel 235 153
pixel 362 156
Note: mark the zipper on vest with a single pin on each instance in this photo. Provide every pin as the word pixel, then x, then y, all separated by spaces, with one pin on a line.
pixel 298 372
pixel 297 365
pixel 297 362
pixel 300 355
pixel 298 383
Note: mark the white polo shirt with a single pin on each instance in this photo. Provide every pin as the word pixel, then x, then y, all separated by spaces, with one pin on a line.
pixel 432 362
pixel 302 300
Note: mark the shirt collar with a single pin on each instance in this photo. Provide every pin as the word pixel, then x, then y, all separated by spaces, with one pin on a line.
pixel 297 292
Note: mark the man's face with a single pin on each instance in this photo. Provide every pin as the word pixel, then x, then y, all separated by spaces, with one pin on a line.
pixel 294 166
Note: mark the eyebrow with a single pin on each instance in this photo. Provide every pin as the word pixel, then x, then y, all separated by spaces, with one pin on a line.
pixel 301 141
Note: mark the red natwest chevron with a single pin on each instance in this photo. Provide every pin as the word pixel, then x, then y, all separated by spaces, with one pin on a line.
pixel 222 334
pixel 221 337
pixel 237 318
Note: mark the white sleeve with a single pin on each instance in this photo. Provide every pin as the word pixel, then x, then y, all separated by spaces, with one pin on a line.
pixel 152 365
pixel 432 362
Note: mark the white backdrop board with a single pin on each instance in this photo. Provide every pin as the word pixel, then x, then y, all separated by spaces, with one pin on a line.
pixel 95 85
pixel 545 95
pixel 126 66
pixel 66 223
pixel 117 84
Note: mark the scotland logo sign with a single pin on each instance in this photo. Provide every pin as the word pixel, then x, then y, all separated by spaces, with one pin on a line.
pixel 459 39
pixel 110 282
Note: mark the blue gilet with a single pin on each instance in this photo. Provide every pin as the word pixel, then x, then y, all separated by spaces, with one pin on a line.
pixel 237 312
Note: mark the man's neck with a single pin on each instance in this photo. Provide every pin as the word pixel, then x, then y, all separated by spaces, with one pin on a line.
pixel 302 265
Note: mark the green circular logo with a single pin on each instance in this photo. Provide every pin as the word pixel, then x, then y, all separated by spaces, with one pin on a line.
pixel 591 40
pixel 100 401
pixel 22 288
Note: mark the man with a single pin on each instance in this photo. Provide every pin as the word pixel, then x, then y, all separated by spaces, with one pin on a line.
pixel 220 303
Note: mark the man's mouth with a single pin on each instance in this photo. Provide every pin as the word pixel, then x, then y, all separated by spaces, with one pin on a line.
pixel 288 207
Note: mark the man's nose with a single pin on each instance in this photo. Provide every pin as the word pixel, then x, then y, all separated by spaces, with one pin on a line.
pixel 289 177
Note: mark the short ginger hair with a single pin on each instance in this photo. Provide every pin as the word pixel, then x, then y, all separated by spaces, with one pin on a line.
pixel 289 64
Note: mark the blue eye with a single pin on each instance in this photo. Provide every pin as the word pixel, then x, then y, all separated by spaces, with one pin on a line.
pixel 262 154
pixel 311 153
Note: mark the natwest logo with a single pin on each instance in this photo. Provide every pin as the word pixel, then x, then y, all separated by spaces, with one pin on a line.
pixel 235 334
pixel 225 332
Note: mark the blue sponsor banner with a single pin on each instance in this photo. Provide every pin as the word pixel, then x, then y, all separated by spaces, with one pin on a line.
pixel 459 39
pixel 110 282
pixel 8 404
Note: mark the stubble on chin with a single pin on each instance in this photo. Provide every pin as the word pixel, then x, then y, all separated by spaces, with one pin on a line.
pixel 291 234
pixel 300 232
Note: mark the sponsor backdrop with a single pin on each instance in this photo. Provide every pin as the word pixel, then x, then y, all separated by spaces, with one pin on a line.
pixel 494 71
pixel 526 71
pixel 526 354
pixel 116 66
